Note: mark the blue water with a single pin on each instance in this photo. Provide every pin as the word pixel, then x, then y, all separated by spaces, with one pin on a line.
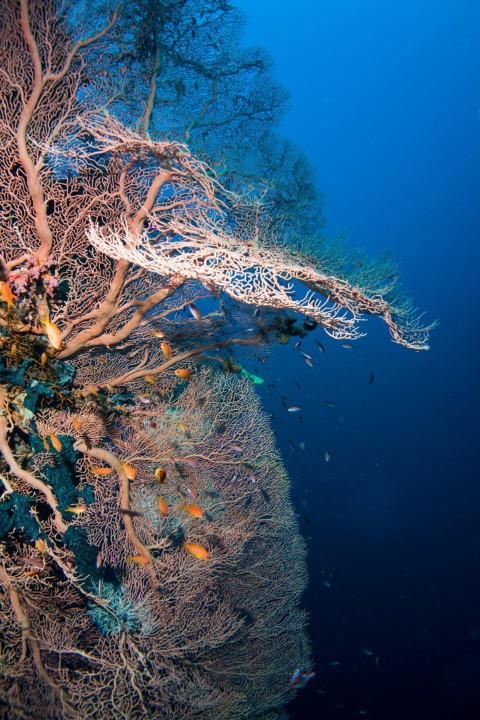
pixel 386 102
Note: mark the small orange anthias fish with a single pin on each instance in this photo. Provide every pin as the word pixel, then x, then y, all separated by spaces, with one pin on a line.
pixel 182 425
pixel 6 294
pixel 183 373
pixel 160 475
pixel 76 509
pixel 162 505
pixel 40 545
pixel 129 471
pixel 194 511
pixel 89 390
pixel 53 334
pixel 76 423
pixel 200 552
pixel 150 379
pixel 102 471
pixel 166 350
pixel 55 442
pixel 138 559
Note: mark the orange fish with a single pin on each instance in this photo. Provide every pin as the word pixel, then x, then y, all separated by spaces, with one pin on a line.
pixel 197 550
pixel 162 505
pixel 76 423
pixel 129 471
pixel 76 509
pixel 45 444
pixel 90 390
pixel 138 559
pixel 6 294
pixel 31 573
pixel 194 511
pixel 160 475
pixel 99 560
pixel 182 425
pixel 158 334
pixel 55 442
pixel 183 373
pixel 102 471
pixel 43 359
pixel 53 334
pixel 40 545
pixel 166 350
pixel 150 379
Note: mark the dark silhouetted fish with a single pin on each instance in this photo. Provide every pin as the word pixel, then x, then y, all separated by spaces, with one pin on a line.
pixel 265 495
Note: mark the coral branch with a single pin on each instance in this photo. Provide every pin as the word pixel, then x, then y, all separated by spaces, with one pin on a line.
pixel 24 475
pixel 109 458
pixel 27 638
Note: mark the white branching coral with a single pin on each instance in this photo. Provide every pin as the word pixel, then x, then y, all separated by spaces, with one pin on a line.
pixel 250 275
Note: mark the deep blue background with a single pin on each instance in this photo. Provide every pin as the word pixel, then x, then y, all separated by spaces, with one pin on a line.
pixel 386 102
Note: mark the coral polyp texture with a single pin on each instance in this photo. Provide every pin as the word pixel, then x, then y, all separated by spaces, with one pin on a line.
pixel 154 237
